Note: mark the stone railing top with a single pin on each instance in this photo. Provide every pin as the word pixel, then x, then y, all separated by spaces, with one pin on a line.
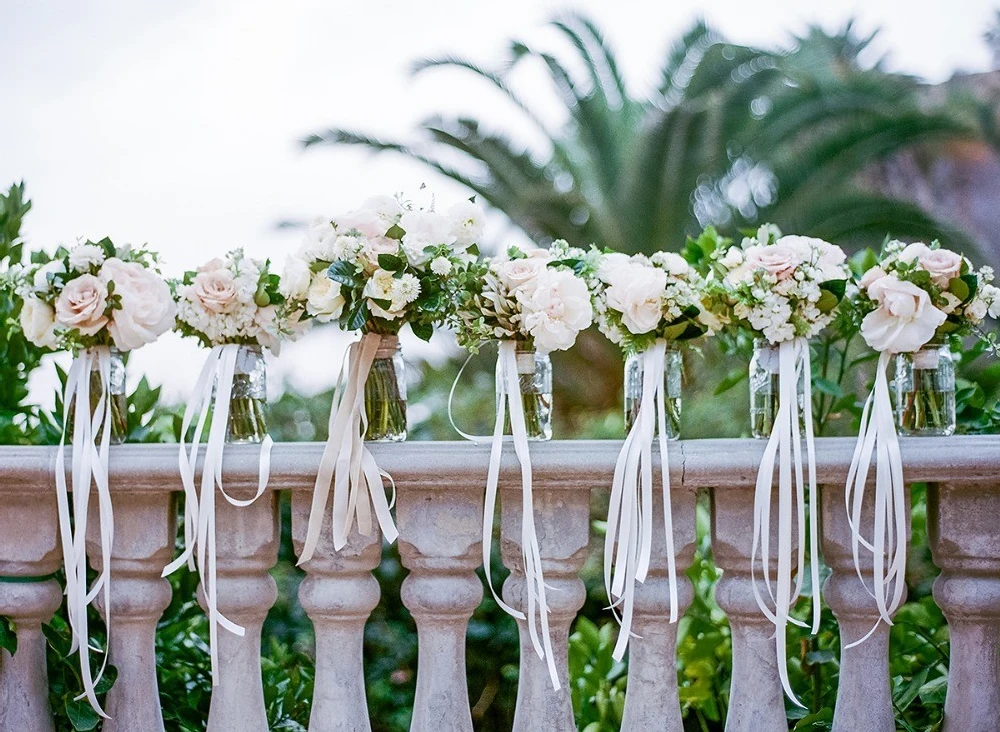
pixel 719 463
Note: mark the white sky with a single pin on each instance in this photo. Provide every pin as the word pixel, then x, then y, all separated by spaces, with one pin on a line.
pixel 176 123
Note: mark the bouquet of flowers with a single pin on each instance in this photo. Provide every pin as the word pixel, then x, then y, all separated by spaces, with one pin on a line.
pixel 533 302
pixel 375 269
pixel 98 301
pixel 913 300
pixel 235 307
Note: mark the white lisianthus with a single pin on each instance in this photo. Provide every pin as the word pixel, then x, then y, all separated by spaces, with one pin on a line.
pixel 295 278
pixel 557 310
pixel 905 319
pixel 637 293
pixel 325 301
pixel 467 221
pixel 38 321
pixel 85 256
pixel 440 266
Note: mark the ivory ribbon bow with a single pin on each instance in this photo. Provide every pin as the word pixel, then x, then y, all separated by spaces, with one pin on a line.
pixel 347 463
pixel 630 514
pixel 878 435
pixel 785 445
pixel 199 510
pixel 534 583
pixel 89 463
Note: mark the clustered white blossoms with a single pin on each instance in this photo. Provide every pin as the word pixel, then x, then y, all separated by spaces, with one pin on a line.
pixel 917 294
pixel 640 299
pixel 235 300
pixel 94 294
pixel 532 295
pixel 783 287
pixel 384 264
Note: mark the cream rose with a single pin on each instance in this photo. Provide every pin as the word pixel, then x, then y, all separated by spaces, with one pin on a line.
pixel 38 322
pixel 325 303
pixel 295 278
pixel 147 310
pixel 521 275
pixel 557 310
pixel 777 259
pixel 215 290
pixel 82 303
pixel 637 293
pixel 611 263
pixel 905 319
pixel 872 275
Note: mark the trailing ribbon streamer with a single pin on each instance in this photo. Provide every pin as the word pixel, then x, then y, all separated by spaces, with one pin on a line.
pixel 347 463
pixel 199 510
pixel 89 464
pixel 878 435
pixel 630 513
pixel 510 398
pixel 784 444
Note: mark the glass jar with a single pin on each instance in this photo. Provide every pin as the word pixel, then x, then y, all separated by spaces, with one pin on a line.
pixel 534 375
pixel 247 420
pixel 116 390
pixel 673 367
pixel 764 389
pixel 925 391
pixel 385 394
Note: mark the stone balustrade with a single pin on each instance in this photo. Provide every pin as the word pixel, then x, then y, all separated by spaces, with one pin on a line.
pixel 439 509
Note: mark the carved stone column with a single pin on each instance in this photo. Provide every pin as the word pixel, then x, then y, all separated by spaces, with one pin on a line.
pixel 30 537
pixel 562 521
pixel 962 524
pixel 338 593
pixel 145 530
pixel 651 701
pixel 247 548
pixel 756 702
pixel 441 544
pixel 864 695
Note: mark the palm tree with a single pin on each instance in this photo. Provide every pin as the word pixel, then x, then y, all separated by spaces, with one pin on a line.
pixel 731 136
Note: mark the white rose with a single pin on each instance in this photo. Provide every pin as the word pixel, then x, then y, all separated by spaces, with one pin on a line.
pixel 520 275
pixel 424 229
pixel 82 303
pixel 215 290
pixel 85 256
pixel 325 301
pixel 673 264
pixel 637 293
pixel 777 259
pixel 38 322
pixel 556 311
pixel 319 242
pixel 611 263
pixel 41 280
pixel 467 221
pixel 147 309
pixel 295 278
pixel 905 319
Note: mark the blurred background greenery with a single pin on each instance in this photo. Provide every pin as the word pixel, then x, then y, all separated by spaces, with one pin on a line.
pixel 817 138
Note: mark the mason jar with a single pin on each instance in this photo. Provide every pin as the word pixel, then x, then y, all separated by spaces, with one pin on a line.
pixel 534 376
pixel 673 368
pixel 116 393
pixel 385 394
pixel 247 402
pixel 764 389
pixel 924 389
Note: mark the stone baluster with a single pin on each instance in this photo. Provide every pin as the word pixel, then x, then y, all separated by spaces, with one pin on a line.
pixel 756 702
pixel 651 701
pixel 562 522
pixel 864 695
pixel 338 593
pixel 962 524
pixel 145 531
pixel 29 536
pixel 247 548
pixel 441 544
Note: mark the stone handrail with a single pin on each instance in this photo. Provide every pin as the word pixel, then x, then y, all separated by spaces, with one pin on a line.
pixel 439 510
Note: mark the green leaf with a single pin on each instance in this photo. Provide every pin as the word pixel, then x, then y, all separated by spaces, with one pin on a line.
pixel 827 301
pixel 345 273
pixel 8 636
pixel 108 680
pixel 836 287
pixel 423 331
pixel 673 332
pixel 958 287
pixel 395 232
pixel 358 316
pixel 391 263
pixel 733 378
pixel 826 386
pixel 318 266
pixel 81 715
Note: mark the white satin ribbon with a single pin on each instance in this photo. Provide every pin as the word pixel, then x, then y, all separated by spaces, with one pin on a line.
pixel 199 509
pixel 784 445
pixel 878 436
pixel 630 512
pixel 347 463
pixel 89 463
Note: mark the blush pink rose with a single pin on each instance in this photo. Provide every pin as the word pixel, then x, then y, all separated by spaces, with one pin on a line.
pixel 82 303
pixel 215 289
pixel 147 310
pixel 779 259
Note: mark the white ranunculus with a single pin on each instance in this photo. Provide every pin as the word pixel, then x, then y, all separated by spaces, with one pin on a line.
pixel 467 221
pixel 905 319
pixel 325 301
pixel 295 278
pixel 557 310
pixel 85 256
pixel 146 308
pixel 637 293
pixel 38 321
